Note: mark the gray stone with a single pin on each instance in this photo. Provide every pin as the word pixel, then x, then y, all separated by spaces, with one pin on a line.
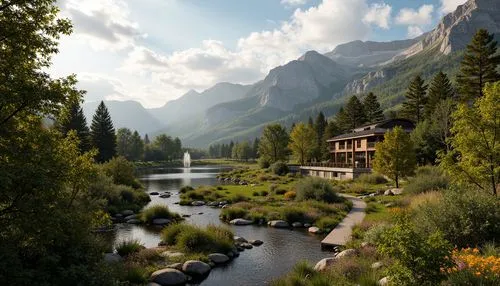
pixel 165 196
pixel 168 276
pixel 134 216
pixel 112 258
pixel 246 245
pixel 161 221
pixel 230 254
pixel 241 221
pixel 198 203
pixel 314 229
pixel 195 268
pixel 118 216
pixel 256 242
pixel 388 193
pixel 297 224
pixel 154 193
pixel 397 191
pixel 389 205
pixel 278 224
pixel 134 221
pixel 307 225
pixel 384 281
pixel 347 253
pixel 377 265
pixel 177 266
pixel 239 239
pixel 325 263
pixel 218 258
pixel 127 212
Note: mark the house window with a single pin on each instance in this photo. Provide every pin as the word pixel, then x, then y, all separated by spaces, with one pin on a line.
pixel 358 143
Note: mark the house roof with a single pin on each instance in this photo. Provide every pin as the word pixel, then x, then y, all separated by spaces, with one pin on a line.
pixel 364 133
pixel 378 128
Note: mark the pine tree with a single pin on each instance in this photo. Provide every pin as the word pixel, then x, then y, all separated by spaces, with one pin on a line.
pixel 416 99
pixel 372 108
pixel 146 140
pixel 478 66
pixel 255 148
pixel 331 131
pixel 352 115
pixel 73 119
pixel 439 89
pixel 310 121
pixel 136 147
pixel 319 126
pixel 103 134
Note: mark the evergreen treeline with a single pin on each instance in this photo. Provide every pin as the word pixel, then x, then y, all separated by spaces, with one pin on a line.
pixel 239 151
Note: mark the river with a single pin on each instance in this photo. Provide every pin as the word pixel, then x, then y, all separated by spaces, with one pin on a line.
pixel 281 250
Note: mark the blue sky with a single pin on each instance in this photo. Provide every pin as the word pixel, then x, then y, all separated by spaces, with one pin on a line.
pixel 153 51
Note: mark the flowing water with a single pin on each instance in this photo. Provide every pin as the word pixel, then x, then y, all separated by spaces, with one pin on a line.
pixel 281 250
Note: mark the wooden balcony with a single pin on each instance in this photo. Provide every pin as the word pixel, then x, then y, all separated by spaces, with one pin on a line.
pixel 338 165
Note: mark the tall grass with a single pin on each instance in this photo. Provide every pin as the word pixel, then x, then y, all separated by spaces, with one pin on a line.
pixel 158 211
pixel 427 179
pixel 313 188
pixel 194 239
pixel 372 179
pixel 128 247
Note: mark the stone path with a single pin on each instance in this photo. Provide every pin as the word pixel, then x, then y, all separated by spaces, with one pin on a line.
pixel 342 233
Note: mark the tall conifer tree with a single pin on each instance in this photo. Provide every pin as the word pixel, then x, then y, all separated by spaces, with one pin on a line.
pixel 372 108
pixel 439 89
pixel 319 127
pixel 416 99
pixel 73 119
pixel 352 115
pixel 478 66
pixel 103 134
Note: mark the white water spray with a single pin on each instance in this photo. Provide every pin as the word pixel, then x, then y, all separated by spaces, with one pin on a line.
pixel 187 160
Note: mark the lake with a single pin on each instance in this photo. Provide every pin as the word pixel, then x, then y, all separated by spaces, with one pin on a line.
pixel 281 250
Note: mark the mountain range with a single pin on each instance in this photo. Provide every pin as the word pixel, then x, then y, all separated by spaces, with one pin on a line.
pixel 312 83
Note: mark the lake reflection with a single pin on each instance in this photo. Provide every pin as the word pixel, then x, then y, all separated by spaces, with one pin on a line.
pixel 281 250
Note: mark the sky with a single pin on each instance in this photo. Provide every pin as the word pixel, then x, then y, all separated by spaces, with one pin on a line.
pixel 153 51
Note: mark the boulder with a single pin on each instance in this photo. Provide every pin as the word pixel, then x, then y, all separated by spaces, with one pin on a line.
pixel 377 265
pixel 314 229
pixel 239 239
pixel 195 268
pixel 347 253
pixel 165 196
pixel 198 203
pixel 397 191
pixel 186 215
pixel 177 266
pixel 112 258
pixel 154 193
pixel 118 216
pixel 240 221
pixel 127 212
pixel 230 254
pixel 279 224
pixel 134 221
pixel 168 276
pixel 389 205
pixel 384 281
pixel 297 224
pixel 324 263
pixel 129 217
pixel 218 258
pixel 256 242
pixel 307 225
pixel 246 245
pixel 161 221
pixel 388 193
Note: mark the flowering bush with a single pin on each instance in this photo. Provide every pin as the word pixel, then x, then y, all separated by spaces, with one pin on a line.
pixel 471 259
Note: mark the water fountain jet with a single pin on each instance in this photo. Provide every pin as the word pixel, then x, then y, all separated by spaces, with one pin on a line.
pixel 187 160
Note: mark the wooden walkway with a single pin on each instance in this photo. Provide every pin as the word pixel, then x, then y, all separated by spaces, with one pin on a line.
pixel 342 233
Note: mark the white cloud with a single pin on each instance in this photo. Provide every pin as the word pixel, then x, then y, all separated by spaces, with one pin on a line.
pixel 448 6
pixel 414 31
pixel 422 16
pixel 379 14
pixel 294 2
pixel 104 24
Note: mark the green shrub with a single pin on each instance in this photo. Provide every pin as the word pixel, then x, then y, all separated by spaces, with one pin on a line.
pixel 318 189
pixel 279 168
pixel 219 188
pixel 186 189
pixel 255 194
pixel 374 234
pixel 136 275
pixel 231 213
pixel 466 218
pixel 193 239
pixel 158 211
pixel 326 223
pixel 264 163
pixel 467 277
pixel 293 214
pixel 303 274
pixel 280 191
pixel 426 181
pixel 264 193
pixel 272 188
pixel 122 172
pixel 128 247
pixel 290 195
pixel 237 198
pixel 372 207
pixel 372 179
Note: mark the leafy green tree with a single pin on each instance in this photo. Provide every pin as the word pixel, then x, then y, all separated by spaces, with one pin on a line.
pixel 302 142
pixel 352 115
pixel 319 128
pixel 165 145
pixel 136 147
pixel 255 148
pixel 372 109
pixel 124 143
pixel 273 143
pixel 475 155
pixel 72 118
pixel 440 89
pixel 146 140
pixel 395 156
pixel 331 131
pixel 103 134
pixel 416 100
pixel 442 121
pixel 479 66
pixel 425 139
pixel 242 151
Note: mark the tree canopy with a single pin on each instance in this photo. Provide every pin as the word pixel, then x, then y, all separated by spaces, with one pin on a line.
pixel 273 143
pixel 302 142
pixel 103 134
pixel 372 108
pixel 416 100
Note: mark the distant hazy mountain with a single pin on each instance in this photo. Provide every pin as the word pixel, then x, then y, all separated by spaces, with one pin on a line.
pixel 130 114
pixel 194 104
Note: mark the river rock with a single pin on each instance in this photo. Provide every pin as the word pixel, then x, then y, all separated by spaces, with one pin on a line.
pixel 177 266
pixel 154 193
pixel 161 221
pixel 165 196
pixel 397 191
pixel 246 245
pixel 213 204
pixel 377 265
pixel 134 216
pixel 297 224
pixel 239 239
pixel 195 268
pixel 118 216
pixel 186 215
pixel 218 258
pixel 279 224
pixel 112 258
pixel 347 253
pixel 256 242
pixel 241 221
pixel 198 203
pixel 388 193
pixel 133 221
pixel 168 276
pixel 307 225
pixel 384 281
pixel 314 229
pixel 127 212
pixel 324 263
pixel 230 254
